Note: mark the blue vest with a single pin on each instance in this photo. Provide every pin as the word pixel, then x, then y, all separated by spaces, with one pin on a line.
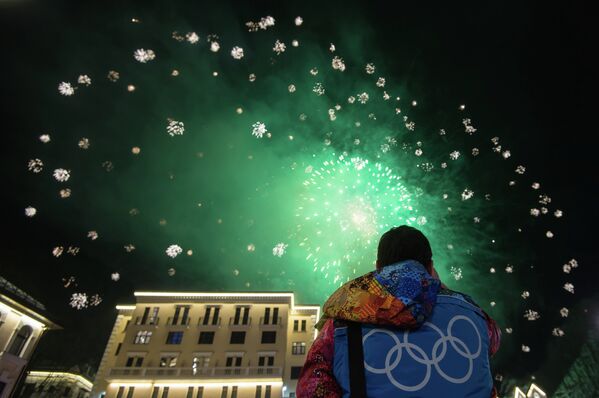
pixel 446 357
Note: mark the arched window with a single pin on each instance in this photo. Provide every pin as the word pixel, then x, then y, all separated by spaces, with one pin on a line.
pixel 20 340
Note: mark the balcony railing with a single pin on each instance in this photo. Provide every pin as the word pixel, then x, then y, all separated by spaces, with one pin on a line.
pixel 178 321
pixel 200 372
pixel 148 321
pixel 272 323
pixel 209 324
pixel 239 324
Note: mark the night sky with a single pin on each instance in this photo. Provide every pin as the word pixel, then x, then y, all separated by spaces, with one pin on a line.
pixel 324 181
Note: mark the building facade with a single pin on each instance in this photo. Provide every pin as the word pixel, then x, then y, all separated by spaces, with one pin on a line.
pixel 206 345
pixel 48 384
pixel 23 321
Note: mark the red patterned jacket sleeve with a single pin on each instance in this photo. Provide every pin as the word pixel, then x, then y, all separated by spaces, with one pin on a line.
pixel 316 379
pixel 494 335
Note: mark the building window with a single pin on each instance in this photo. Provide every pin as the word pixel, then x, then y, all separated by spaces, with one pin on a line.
pixel 174 337
pixel 208 319
pixel 267 392
pixel 181 316
pixel 153 318
pixel 168 361
pixel 118 349
pixel 165 392
pixel 296 325
pixel 267 320
pixel 134 361
pixel 144 317
pixel 258 392
pixel 233 361
pixel 189 392
pixel 19 341
pixel 269 337
pixel 66 392
pixel 234 392
pixel 295 372
pixel 267 362
pixel 224 392
pixel 237 338
pixel 241 316
pixel 298 348
pixel 142 337
pixel 206 338
pixel 120 392
pixel 200 361
pixel 200 393
pixel 155 392
pixel 130 392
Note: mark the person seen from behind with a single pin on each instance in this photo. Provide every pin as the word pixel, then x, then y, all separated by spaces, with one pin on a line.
pixel 399 332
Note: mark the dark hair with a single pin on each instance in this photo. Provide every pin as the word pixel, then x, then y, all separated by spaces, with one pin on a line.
pixel 404 243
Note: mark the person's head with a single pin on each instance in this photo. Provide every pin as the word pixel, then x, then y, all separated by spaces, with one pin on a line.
pixel 404 243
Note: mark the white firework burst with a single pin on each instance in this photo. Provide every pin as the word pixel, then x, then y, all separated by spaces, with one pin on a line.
pixel 192 37
pixel 468 128
pixel 66 89
pixel 569 287
pixel 299 21
pixel 237 52
pixel 83 143
pixel 370 68
pixel 30 211
pixel 338 64
pixel 318 89
pixel 115 276
pixel 62 175
pixel 363 98
pixel 84 80
pixel 557 332
pixel 173 251
pixel 456 272
pixel 45 138
pixel 144 56
pixel 78 301
pixel 35 165
pixel 113 76
pixel 531 315
pixel 259 129
pixel 279 47
pixel 279 249
pixel 175 127
pixel 467 194
pixel 214 46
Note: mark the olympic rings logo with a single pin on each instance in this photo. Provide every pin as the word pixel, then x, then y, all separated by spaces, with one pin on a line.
pixel 418 354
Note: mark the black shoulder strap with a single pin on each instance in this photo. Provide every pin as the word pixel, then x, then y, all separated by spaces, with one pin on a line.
pixel 355 351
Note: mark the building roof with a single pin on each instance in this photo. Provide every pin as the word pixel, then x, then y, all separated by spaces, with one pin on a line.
pixel 211 297
pixel 75 376
pixel 21 301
